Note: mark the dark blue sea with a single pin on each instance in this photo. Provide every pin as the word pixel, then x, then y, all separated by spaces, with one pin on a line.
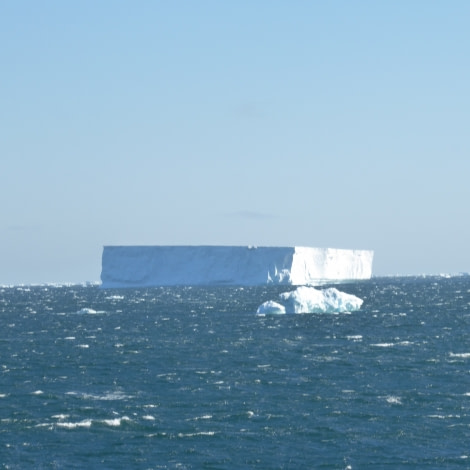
pixel 192 378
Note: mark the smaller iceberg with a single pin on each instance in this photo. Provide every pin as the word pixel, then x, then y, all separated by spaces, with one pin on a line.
pixel 87 310
pixel 271 307
pixel 310 300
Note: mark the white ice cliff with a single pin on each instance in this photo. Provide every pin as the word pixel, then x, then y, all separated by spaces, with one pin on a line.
pixel 147 266
pixel 310 300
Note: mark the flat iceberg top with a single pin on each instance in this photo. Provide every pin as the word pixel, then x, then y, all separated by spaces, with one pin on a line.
pixel 147 266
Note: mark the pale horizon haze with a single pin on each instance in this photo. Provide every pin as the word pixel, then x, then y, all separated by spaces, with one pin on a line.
pixel 340 124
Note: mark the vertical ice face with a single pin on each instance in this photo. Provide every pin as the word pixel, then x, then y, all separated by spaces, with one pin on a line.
pixel 311 265
pixel 142 266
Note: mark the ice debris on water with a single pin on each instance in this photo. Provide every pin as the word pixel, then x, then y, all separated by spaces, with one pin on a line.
pixel 87 310
pixel 310 300
pixel 271 307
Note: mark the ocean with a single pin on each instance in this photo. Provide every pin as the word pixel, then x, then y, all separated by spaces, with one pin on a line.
pixel 192 378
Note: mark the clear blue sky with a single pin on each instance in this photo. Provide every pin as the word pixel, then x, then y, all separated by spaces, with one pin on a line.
pixel 337 124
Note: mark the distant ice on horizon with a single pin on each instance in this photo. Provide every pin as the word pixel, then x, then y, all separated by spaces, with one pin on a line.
pixel 150 266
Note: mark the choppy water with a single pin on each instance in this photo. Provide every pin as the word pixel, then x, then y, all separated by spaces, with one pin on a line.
pixel 192 378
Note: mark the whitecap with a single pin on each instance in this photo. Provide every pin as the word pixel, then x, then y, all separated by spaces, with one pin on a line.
pixel 197 418
pixel 44 425
pixel 109 396
pixel 115 421
pixel 80 424
pixel 443 416
pixel 393 400
pixel 461 355
pixel 354 337
pixel 193 434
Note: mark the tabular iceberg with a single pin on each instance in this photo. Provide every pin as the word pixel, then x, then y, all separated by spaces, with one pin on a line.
pixel 149 266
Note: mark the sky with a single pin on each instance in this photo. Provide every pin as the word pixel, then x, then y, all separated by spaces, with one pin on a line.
pixel 339 124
